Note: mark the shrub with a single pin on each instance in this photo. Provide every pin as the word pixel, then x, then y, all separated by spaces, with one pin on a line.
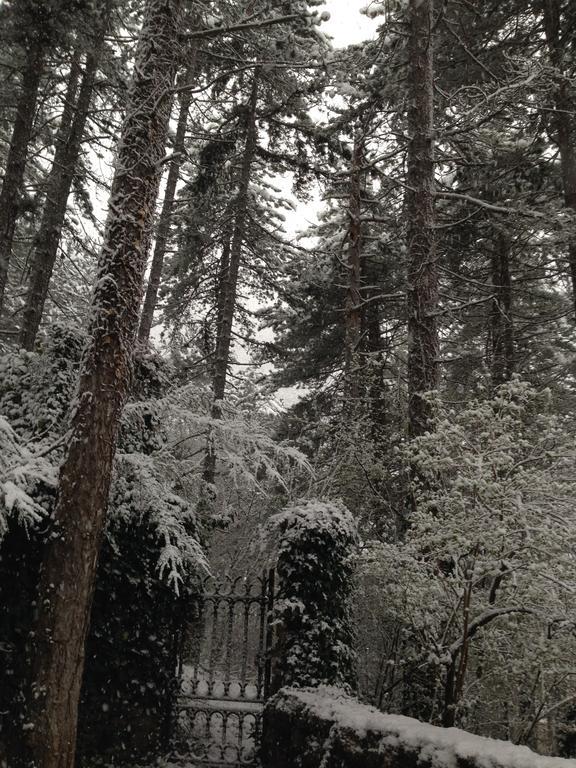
pixel 316 555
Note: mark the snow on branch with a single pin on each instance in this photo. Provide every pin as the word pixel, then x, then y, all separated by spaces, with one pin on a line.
pixel 242 26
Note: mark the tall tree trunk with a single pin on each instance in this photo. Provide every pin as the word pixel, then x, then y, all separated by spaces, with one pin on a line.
pixel 164 221
pixel 564 121
pixel 353 310
pixel 230 278
pixel 209 467
pixel 449 703
pixel 16 160
pixel 501 324
pixel 223 269
pixel 226 303
pixel 376 354
pixel 69 568
pixel 372 341
pixel 47 240
pixel 422 295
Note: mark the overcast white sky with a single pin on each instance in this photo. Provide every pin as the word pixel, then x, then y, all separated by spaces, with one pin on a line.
pixel 346 24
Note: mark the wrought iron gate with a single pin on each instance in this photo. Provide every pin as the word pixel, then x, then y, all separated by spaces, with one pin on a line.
pixel 226 673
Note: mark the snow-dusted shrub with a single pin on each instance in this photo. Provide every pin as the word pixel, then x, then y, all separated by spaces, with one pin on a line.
pixel 35 394
pixel 316 558
pixel 23 472
pixel 150 560
pixel 151 554
pixel 36 387
pixel 481 589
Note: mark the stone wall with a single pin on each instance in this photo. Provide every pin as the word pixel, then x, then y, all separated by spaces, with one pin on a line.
pixel 324 728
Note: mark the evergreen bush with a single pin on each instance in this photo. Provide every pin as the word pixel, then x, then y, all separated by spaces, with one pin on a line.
pixel 149 564
pixel 316 555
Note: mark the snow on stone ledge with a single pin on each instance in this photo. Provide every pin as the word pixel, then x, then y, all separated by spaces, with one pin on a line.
pixel 431 745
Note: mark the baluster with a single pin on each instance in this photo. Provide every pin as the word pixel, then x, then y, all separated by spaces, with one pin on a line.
pixel 197 643
pixel 229 637
pixel 261 653
pixel 244 657
pixel 269 639
pixel 213 646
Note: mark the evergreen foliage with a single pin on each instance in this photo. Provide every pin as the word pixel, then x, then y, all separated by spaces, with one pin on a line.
pixel 316 558
pixel 149 568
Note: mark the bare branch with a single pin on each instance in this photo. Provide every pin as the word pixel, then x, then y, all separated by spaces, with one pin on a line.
pixel 481 621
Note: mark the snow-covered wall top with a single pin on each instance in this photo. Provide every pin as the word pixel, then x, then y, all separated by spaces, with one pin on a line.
pixel 340 730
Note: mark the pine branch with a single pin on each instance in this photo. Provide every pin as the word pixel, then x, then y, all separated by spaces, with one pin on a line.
pixel 242 26
pixel 490 206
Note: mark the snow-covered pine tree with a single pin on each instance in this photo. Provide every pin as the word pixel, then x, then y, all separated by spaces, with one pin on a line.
pixel 68 142
pixel 422 270
pixel 37 28
pixel 557 19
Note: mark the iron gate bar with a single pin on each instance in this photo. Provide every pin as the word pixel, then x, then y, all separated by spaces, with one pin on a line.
pixel 269 630
pixel 221 714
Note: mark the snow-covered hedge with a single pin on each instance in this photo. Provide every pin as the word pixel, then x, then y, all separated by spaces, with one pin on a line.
pixel 318 544
pixel 311 727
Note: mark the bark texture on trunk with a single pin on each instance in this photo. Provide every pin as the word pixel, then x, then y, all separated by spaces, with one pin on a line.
pixel 16 161
pixel 68 571
pixel 375 348
pixel 223 268
pixel 47 240
pixel 353 309
pixel 165 219
pixel 422 298
pixel 501 323
pixel 564 122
